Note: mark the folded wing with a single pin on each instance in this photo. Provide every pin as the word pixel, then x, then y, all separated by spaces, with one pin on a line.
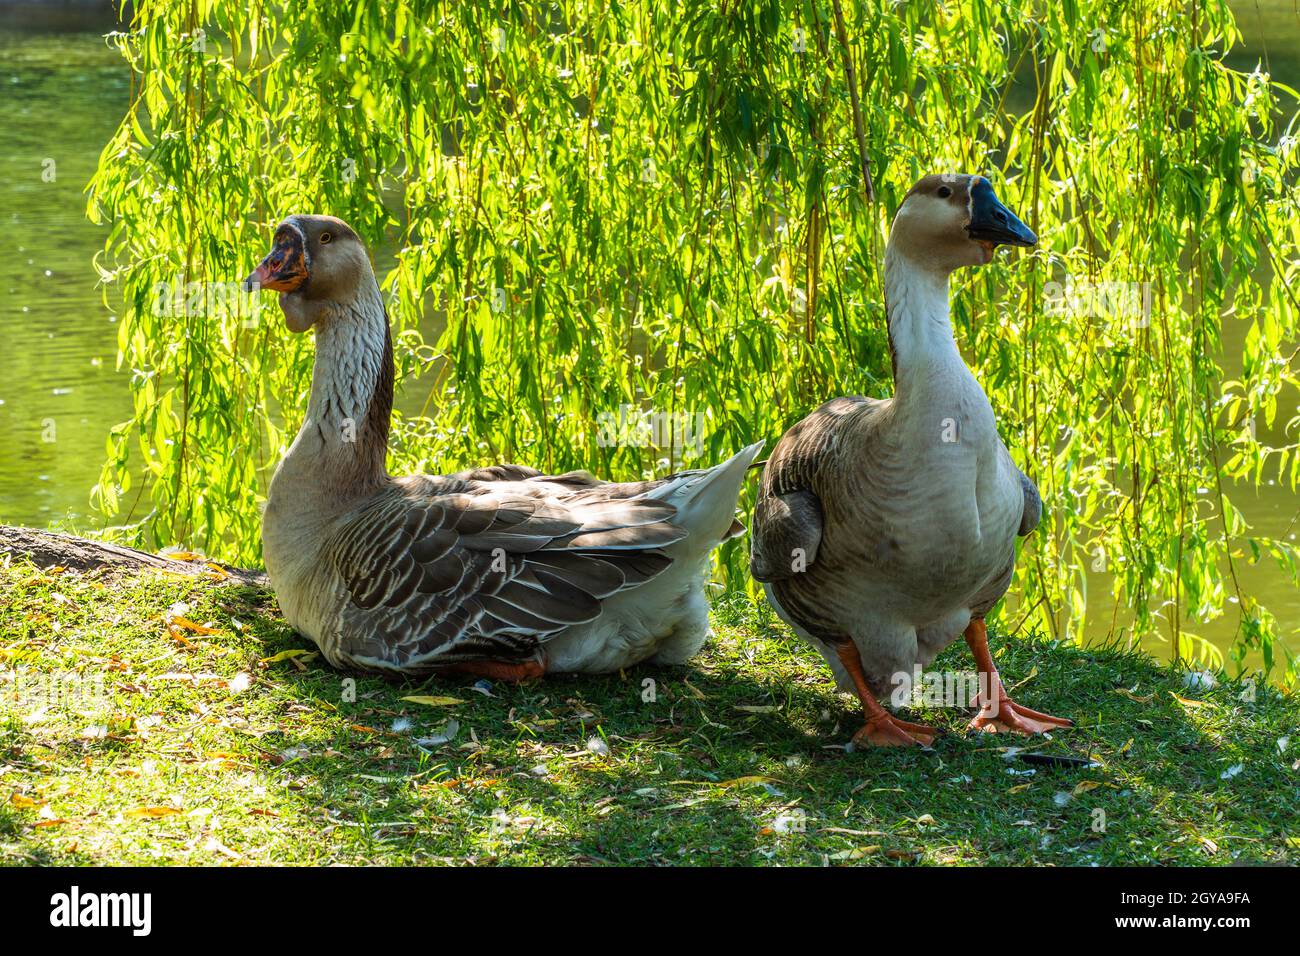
pixel 490 566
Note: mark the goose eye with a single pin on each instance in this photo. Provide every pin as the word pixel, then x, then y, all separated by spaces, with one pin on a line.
pixel 325 237
pixel 944 192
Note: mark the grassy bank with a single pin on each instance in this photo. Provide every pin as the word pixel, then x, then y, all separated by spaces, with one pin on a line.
pixel 220 738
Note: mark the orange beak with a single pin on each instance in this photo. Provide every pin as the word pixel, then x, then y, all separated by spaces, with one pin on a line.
pixel 285 267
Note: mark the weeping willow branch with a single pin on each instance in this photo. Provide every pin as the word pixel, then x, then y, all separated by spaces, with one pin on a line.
pixel 584 211
pixel 850 79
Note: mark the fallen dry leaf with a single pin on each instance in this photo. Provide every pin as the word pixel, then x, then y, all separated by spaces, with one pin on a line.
pixel 741 781
pixel 193 678
pixel 178 555
pixel 846 830
pixel 1124 692
pixel 434 701
pixel 857 853
pixel 222 763
pixel 1033 672
pixel 149 813
pixel 288 655
pixel 189 625
pixel 216 846
pixel 699 695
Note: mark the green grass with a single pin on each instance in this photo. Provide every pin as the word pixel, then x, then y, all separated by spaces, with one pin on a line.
pixel 287 770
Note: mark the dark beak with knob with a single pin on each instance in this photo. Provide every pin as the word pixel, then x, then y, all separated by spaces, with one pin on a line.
pixel 993 224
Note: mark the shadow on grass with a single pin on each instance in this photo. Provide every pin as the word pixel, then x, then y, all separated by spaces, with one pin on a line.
pixel 702 774
pixel 738 758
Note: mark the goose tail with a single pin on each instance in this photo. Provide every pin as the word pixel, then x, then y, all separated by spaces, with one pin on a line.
pixel 706 502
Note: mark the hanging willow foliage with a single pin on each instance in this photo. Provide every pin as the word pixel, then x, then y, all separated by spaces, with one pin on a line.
pixel 665 206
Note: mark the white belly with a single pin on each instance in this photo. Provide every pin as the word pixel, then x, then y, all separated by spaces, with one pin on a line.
pixel 665 620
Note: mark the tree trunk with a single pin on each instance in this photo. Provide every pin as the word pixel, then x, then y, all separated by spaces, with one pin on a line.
pixel 48 549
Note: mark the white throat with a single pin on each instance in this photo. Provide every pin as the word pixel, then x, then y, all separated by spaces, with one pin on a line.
pixel 936 396
pixel 920 324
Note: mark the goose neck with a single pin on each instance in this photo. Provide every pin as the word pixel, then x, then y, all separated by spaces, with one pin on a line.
pixel 343 442
pixel 921 342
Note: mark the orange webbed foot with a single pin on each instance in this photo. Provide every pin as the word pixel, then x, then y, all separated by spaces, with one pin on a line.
pixel 1001 713
pixel 886 730
pixel 1010 717
pixel 882 728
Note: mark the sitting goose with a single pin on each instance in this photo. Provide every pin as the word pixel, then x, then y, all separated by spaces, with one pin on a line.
pixel 883 529
pixel 501 572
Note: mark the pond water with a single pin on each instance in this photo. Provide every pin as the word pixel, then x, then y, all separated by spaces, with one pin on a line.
pixel 63 92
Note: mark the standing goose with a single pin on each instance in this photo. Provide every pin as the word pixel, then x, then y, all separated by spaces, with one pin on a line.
pixel 883 529
pixel 501 572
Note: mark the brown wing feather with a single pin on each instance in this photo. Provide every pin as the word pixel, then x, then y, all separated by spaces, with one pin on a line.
pixel 791 531
pixel 497 473
pixel 788 513
pixel 1033 512
pixel 454 569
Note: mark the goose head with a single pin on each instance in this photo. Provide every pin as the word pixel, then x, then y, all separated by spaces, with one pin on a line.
pixel 314 262
pixel 952 220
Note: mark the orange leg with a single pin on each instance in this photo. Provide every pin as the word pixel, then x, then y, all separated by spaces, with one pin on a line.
pixel 998 711
pixel 497 670
pixel 882 729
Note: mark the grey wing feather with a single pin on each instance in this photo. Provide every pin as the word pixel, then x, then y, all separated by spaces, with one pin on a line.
pixel 1033 512
pixel 505 472
pixel 439 572
pixel 788 513
pixel 787 534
